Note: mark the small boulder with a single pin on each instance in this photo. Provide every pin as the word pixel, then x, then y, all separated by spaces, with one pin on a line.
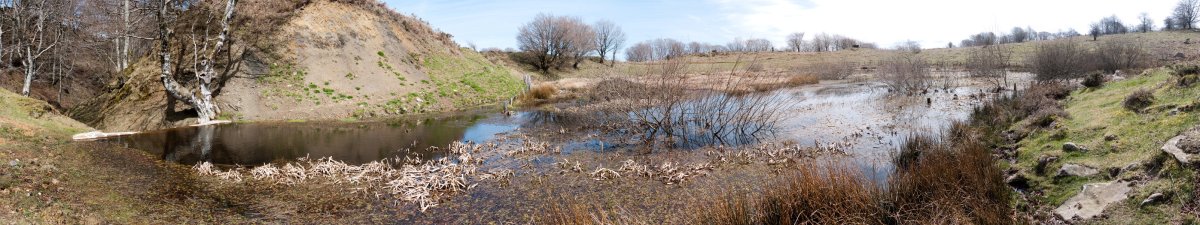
pixel 1172 148
pixel 1072 147
pixel 1110 137
pixel 1017 180
pixel 1153 198
pixel 1092 201
pixel 1044 161
pixel 1069 170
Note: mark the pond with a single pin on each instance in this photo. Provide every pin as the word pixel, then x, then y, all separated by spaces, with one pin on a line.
pixel 350 142
pixel 863 118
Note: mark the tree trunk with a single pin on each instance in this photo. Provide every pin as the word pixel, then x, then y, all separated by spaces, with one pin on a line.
pixel 123 46
pixel 203 112
pixel 28 71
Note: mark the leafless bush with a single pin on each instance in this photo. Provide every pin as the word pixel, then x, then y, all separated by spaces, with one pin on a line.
pixel 1138 100
pixel 905 72
pixel 667 108
pixel 1094 80
pixel 1120 54
pixel 1058 60
pixel 990 62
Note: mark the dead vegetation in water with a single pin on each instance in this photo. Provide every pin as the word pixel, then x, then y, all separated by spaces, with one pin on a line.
pixel 409 180
pixel 673 172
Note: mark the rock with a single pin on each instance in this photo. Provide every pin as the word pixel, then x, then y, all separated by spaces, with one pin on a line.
pixel 1068 170
pixel 1110 137
pixel 1180 55
pixel 1072 147
pixel 14 163
pixel 1154 198
pixel 1173 149
pixel 97 135
pixel 1044 161
pixel 1190 142
pixel 1092 201
pixel 1017 180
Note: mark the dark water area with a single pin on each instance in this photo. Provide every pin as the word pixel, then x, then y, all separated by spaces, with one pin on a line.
pixel 351 142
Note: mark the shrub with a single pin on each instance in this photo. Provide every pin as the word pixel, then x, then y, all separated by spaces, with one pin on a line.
pixel 990 62
pixel 1058 60
pixel 1094 80
pixel 1185 69
pixel 1120 54
pixel 798 80
pixel 538 93
pixel 1138 100
pixel 1046 116
pixel 906 72
pixel 833 69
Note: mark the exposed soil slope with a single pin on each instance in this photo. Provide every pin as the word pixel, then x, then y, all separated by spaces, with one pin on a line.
pixel 336 61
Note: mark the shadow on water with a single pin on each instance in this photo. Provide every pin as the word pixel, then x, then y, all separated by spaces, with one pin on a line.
pixel 351 142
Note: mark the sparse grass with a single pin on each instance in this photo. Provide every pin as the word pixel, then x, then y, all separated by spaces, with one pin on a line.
pixel 1096 113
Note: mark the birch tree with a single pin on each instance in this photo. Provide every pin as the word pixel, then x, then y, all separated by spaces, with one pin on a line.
pixel 38 41
pixel 203 57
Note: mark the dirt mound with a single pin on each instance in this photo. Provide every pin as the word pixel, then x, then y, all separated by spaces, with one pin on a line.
pixel 335 61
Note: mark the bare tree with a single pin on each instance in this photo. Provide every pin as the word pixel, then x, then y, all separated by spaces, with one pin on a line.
pixel 1169 24
pixel 1145 23
pixel 203 57
pixel 1095 31
pixel 737 45
pixel 609 38
pixel 795 41
pixel 1019 35
pixel 580 40
pixel 41 36
pixel 552 40
pixel 640 52
pixel 759 45
pixel 1186 13
pixel 905 72
pixel 909 46
pixel 1113 25
pixel 991 63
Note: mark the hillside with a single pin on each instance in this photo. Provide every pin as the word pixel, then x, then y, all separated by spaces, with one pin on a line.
pixel 333 61
pixel 1161 45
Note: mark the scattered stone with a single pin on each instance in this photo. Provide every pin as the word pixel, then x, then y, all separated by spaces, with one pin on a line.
pixel 1154 198
pixel 1110 137
pixel 1173 149
pixel 1017 180
pixel 1044 161
pixel 1180 55
pixel 14 163
pixel 1068 170
pixel 1092 201
pixel 1072 147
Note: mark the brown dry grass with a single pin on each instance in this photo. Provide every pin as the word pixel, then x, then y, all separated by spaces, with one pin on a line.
pixel 538 94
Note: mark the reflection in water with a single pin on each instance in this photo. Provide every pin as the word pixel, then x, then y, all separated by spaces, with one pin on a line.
pixel 359 142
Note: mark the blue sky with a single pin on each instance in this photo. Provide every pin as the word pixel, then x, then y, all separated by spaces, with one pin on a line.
pixel 493 23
